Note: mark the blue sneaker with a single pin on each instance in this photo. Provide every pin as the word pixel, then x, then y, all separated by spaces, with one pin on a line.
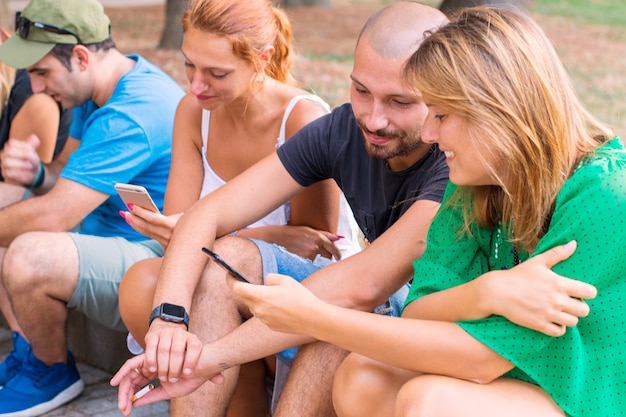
pixel 38 388
pixel 13 362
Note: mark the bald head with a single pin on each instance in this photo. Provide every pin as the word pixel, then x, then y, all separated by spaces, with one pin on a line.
pixel 397 30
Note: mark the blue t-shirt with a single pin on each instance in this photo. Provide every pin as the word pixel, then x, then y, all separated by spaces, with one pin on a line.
pixel 127 140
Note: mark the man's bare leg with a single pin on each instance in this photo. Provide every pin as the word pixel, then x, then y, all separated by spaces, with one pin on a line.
pixel 5 304
pixel 40 272
pixel 216 311
pixel 251 397
pixel 9 194
pixel 308 390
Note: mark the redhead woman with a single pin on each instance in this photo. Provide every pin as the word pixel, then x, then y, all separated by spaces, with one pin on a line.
pixel 242 104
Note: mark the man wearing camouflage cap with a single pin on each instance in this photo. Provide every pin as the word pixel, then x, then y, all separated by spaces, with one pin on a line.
pixel 67 247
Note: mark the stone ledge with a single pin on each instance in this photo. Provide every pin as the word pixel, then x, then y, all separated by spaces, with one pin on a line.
pixel 94 344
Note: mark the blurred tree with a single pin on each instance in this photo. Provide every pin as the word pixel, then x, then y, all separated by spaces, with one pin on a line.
pixel 172 36
pixel 449 6
pixel 6 19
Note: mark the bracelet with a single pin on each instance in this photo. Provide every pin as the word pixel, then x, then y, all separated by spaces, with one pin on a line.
pixel 41 175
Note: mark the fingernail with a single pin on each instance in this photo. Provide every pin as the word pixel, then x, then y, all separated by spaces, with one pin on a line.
pixel 187 371
pixel 339 236
pixel 123 214
pixel 130 206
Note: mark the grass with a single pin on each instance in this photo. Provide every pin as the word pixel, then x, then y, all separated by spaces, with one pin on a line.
pixel 593 12
pixel 590 38
pixel 589 35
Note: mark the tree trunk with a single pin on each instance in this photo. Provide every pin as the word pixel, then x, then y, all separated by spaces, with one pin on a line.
pixel 172 36
pixel 6 18
pixel 449 6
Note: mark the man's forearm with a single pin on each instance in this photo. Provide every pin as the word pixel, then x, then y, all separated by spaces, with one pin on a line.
pixel 23 216
pixel 50 174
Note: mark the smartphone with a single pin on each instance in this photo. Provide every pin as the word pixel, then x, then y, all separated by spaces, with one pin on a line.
pixel 137 195
pixel 225 265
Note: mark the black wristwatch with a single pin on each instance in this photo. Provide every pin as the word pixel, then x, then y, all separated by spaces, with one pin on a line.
pixel 171 313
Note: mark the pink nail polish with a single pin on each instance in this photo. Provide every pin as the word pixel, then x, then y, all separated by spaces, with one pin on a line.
pixel 130 206
pixel 123 214
pixel 339 236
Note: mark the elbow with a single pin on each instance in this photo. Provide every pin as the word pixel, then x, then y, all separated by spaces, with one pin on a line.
pixel 486 368
pixel 366 298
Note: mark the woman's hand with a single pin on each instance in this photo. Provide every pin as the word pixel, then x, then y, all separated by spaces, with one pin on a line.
pixel 154 225
pixel 134 375
pixel 282 304
pixel 303 241
pixel 534 296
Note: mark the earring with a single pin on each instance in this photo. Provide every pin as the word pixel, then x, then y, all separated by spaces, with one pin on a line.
pixel 260 77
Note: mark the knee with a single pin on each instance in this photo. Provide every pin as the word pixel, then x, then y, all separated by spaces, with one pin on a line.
pixel 19 267
pixel 421 396
pixel 357 383
pixel 240 253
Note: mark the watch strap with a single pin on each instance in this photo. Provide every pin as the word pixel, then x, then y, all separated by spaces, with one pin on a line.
pixel 160 312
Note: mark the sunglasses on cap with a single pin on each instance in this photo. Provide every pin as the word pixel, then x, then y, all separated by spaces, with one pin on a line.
pixel 23 25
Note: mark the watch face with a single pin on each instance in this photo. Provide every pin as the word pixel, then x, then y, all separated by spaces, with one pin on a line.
pixel 173 310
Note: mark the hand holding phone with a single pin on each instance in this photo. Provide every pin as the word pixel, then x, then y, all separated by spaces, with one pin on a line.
pixel 137 195
pixel 225 265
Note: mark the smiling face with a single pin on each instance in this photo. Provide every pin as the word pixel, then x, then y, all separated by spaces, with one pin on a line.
pixel 216 75
pixel 469 160
pixel 390 116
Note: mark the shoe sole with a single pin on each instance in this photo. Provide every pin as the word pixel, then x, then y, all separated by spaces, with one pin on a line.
pixel 67 395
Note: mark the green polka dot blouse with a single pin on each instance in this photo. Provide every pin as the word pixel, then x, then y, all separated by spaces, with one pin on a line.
pixel 584 371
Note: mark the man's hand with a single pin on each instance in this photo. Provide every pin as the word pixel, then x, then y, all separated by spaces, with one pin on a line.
pixel 170 349
pixel 19 161
pixel 533 296
pixel 282 304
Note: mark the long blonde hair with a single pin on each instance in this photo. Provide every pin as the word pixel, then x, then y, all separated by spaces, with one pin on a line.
pixel 7 75
pixel 497 68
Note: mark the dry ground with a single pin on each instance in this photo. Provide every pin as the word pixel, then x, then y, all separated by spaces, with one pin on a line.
pixel 325 40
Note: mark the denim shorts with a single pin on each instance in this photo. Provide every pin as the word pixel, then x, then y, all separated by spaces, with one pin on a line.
pixel 278 260
pixel 103 261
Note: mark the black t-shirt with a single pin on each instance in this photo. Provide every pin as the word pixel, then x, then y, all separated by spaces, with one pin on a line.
pixel 332 147
pixel 20 92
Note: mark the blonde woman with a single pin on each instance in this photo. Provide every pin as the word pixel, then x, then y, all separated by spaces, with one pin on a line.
pixel 502 318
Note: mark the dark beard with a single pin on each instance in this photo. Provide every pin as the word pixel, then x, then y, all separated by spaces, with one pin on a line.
pixel 404 143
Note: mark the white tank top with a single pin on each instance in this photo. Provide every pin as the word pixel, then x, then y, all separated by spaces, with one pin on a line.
pixel 347 226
